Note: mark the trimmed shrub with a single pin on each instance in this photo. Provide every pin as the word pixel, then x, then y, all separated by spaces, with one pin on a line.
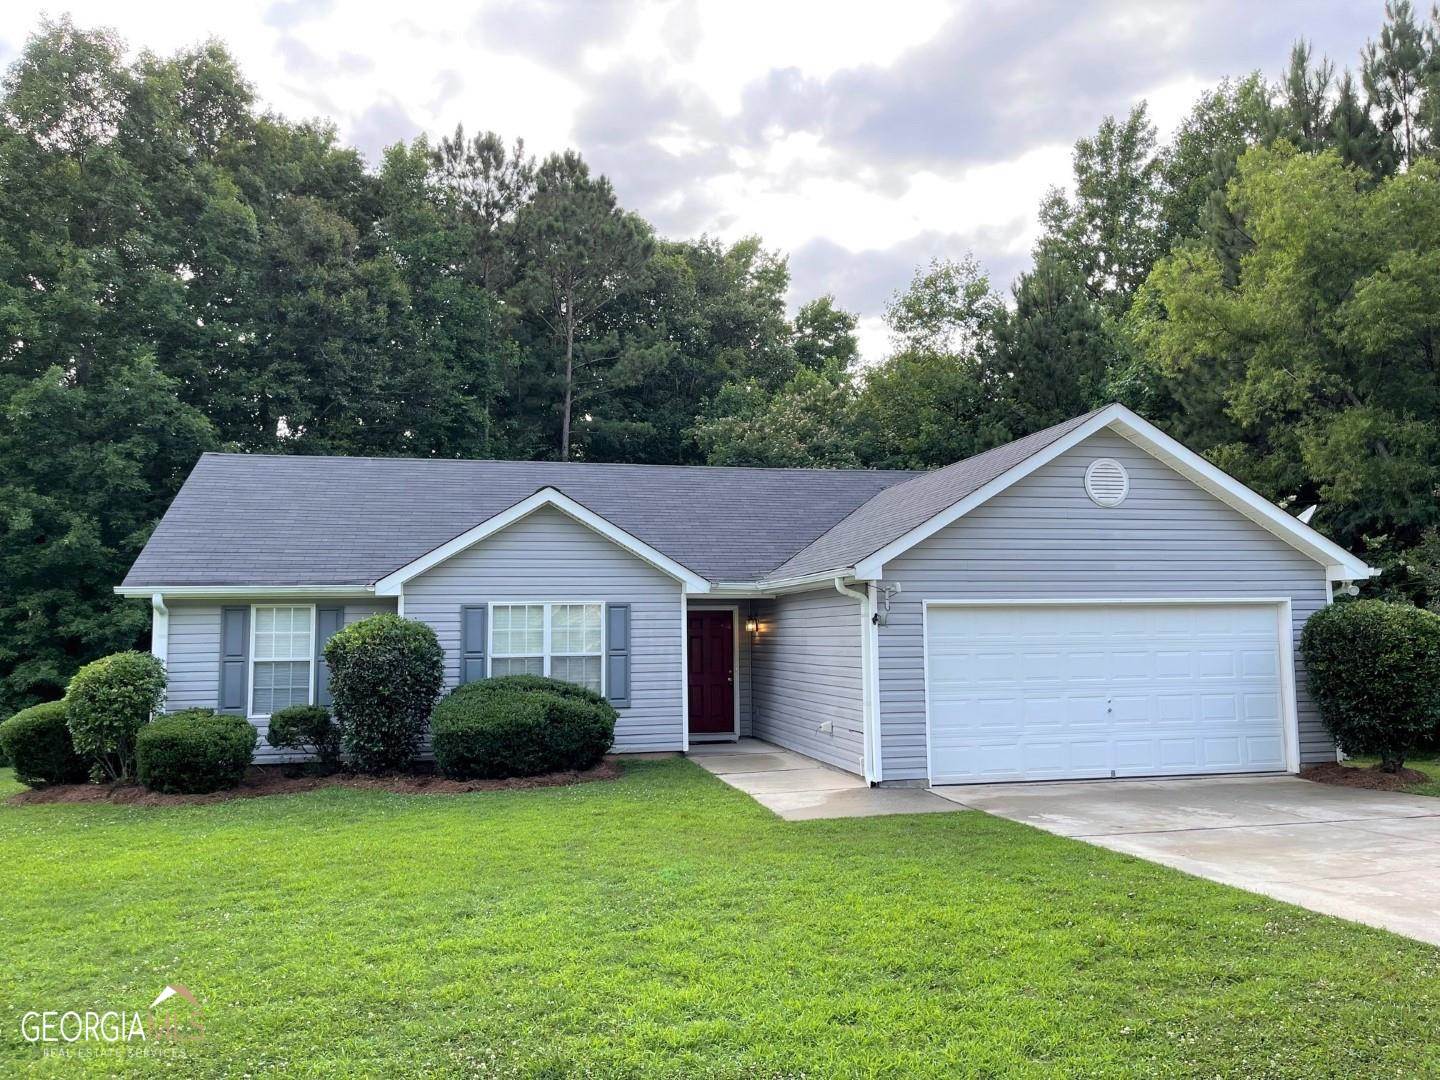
pixel 109 700
pixel 194 752
pixel 1373 669
pixel 520 725
pixel 37 740
pixel 306 729
pixel 531 684
pixel 385 674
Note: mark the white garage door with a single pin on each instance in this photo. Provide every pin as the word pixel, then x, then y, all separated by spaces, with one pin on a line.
pixel 1099 690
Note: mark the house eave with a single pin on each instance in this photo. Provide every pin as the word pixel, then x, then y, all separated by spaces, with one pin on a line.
pixel 239 592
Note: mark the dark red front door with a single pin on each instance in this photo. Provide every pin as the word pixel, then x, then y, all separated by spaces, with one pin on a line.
pixel 711 643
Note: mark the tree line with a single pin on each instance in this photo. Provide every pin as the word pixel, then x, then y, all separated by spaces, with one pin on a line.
pixel 181 271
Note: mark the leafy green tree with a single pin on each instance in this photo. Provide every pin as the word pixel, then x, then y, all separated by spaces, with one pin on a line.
pixel 1323 350
pixel 948 308
pixel 1051 352
pixel 1108 230
pixel 1200 159
pixel 807 423
pixel 922 410
pixel 825 335
pixel 487 185
pixel 698 316
pixel 1302 114
pixel 1354 134
pixel 1400 73
pixel 577 251
pixel 88 467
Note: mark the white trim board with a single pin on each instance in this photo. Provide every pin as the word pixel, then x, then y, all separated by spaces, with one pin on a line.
pixel 1339 564
pixel 391 583
pixel 1284 621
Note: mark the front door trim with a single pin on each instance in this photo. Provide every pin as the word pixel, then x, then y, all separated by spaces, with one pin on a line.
pixel 734 734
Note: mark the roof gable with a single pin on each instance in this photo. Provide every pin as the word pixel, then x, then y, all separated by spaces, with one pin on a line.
pixel 393 584
pixel 1340 565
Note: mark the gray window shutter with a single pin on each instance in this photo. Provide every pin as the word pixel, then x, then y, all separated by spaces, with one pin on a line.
pixel 617 655
pixel 472 643
pixel 327 621
pixel 234 654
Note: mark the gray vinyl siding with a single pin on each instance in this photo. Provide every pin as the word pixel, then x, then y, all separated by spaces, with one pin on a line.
pixel 1044 538
pixel 806 670
pixel 193 664
pixel 355 612
pixel 548 556
pixel 742 655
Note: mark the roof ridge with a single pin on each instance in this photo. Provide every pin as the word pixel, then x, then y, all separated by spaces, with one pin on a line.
pixel 260 456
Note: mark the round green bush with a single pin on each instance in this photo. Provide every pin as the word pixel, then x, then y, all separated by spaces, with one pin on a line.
pixel 520 726
pixel 109 700
pixel 306 729
pixel 385 674
pixel 37 740
pixel 1373 669
pixel 194 752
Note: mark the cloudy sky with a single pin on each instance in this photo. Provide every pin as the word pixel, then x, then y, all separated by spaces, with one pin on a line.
pixel 862 138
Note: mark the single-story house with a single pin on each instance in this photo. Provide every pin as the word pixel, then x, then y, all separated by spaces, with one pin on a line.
pixel 1093 600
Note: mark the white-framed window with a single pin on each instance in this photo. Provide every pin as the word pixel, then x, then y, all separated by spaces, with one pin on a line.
pixel 564 641
pixel 282 657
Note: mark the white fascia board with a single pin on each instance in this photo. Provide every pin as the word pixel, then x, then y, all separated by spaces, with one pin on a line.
pixel 390 584
pixel 769 587
pixel 1340 564
pixel 239 592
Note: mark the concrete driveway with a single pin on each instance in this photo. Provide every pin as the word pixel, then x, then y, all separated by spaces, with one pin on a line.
pixel 1370 856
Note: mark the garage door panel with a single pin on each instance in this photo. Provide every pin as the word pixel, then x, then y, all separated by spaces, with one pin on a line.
pixel 1071 691
pixel 1179 753
pixel 1262 708
pixel 1082 667
pixel 1174 664
pixel 1258 664
pixel 1175 709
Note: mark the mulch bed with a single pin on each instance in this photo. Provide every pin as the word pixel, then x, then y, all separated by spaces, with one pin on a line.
pixel 264 780
pixel 1370 777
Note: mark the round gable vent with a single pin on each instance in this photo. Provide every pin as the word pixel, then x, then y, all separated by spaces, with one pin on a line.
pixel 1106 482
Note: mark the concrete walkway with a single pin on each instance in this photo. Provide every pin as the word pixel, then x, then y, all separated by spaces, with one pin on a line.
pixel 1370 856
pixel 799 788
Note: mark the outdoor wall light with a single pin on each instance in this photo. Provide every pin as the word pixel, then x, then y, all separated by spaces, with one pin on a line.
pixel 752 625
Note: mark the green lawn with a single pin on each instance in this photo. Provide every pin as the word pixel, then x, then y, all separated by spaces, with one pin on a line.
pixel 1429 764
pixel 666 925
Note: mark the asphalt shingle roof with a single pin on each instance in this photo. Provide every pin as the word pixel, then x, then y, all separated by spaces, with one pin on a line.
pixel 255 519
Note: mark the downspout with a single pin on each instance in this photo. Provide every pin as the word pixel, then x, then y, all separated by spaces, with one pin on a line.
pixel 159 628
pixel 868 711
